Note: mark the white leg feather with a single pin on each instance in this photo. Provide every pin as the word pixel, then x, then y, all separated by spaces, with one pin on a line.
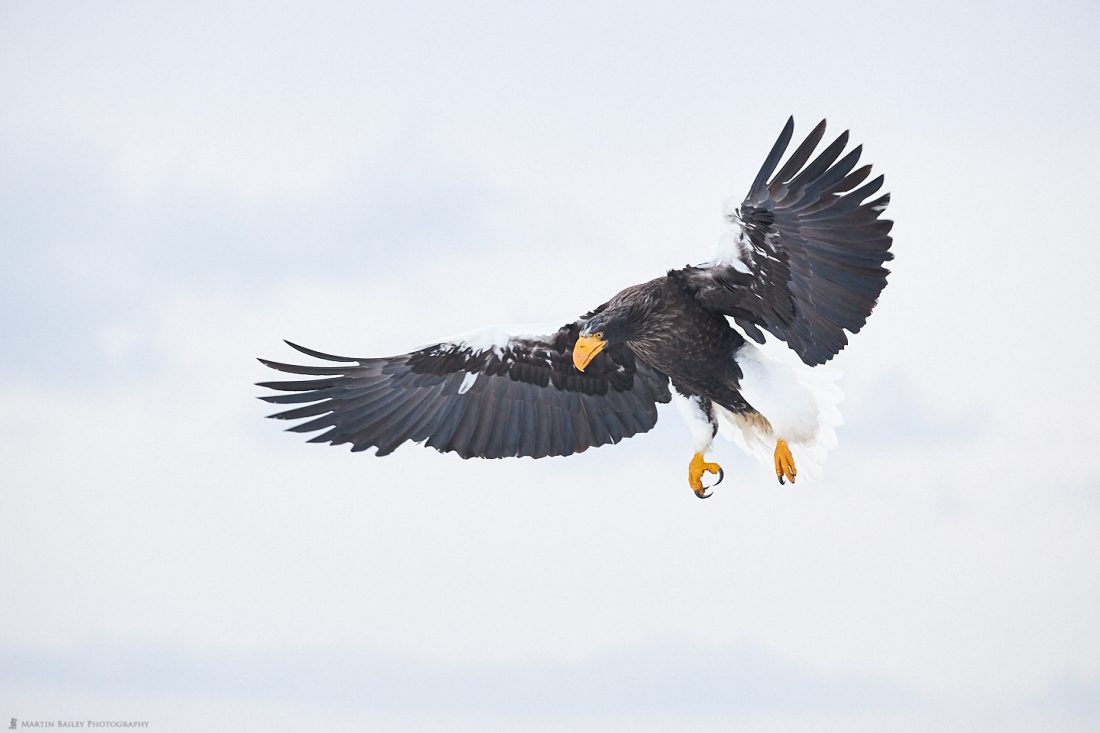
pixel 698 421
pixel 799 404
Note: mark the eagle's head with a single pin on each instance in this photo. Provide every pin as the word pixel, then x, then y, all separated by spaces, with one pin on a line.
pixel 611 326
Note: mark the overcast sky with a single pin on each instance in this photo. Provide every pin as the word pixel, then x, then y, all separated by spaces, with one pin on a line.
pixel 183 185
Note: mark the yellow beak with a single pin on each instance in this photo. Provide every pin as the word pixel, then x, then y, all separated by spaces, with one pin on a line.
pixel 585 350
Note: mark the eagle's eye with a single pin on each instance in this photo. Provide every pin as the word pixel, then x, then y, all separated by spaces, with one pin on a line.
pixel 598 334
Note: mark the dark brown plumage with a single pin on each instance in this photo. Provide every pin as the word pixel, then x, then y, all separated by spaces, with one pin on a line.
pixel 804 262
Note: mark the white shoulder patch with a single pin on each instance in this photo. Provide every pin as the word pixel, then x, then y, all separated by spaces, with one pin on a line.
pixel 497 337
pixel 731 210
pixel 733 250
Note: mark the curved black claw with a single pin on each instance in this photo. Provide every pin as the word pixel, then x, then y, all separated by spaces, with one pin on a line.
pixel 721 476
pixel 702 493
pixel 781 481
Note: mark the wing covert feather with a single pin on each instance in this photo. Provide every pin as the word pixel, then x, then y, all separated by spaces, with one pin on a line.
pixel 521 397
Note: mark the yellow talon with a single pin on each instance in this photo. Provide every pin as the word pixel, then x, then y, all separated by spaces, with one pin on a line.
pixel 695 475
pixel 784 462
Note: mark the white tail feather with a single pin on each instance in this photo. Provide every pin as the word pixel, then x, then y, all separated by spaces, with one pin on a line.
pixel 799 404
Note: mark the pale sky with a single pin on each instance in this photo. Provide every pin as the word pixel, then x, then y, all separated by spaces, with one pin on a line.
pixel 183 185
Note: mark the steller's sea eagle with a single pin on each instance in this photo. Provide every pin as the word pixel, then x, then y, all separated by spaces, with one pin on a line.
pixel 802 260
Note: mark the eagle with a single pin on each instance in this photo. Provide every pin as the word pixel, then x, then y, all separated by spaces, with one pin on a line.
pixel 802 259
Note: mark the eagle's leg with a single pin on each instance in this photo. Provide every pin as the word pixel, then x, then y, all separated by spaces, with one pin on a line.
pixel 698 412
pixel 784 462
pixel 696 469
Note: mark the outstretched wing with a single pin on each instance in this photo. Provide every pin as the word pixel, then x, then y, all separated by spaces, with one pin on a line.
pixel 488 395
pixel 804 257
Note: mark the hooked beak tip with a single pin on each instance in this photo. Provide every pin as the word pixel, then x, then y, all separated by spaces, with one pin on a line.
pixel 585 350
